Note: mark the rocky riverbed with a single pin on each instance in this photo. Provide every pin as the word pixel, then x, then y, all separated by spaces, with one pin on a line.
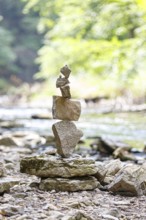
pixel 21 196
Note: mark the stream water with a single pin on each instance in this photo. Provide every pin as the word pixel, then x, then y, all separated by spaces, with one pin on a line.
pixel 128 127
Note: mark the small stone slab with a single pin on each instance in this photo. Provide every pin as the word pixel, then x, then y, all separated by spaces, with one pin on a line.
pixel 65 91
pixel 66 137
pixel 53 166
pixel 70 185
pixel 6 183
pixel 65 109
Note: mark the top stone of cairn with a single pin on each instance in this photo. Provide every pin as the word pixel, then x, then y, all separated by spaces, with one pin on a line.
pixel 63 82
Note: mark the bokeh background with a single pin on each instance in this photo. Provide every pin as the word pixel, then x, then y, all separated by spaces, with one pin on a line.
pixel 103 42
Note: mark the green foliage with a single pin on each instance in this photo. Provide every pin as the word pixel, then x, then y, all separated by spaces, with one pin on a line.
pixel 104 39
pixel 19 41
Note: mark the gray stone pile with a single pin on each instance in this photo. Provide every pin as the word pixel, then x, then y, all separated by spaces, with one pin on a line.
pixel 65 171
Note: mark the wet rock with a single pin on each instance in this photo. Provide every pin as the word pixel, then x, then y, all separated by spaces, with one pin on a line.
pixel 61 81
pixel 123 154
pixel 7 141
pixel 51 166
pixel 130 181
pixel 70 185
pixel 108 146
pixel 2 170
pixel 6 183
pixel 65 109
pixel 66 136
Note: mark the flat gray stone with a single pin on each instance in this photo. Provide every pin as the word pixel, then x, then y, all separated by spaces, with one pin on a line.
pixel 70 185
pixel 52 166
pixel 66 137
pixel 6 183
pixel 66 109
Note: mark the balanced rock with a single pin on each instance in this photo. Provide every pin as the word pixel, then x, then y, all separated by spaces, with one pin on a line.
pixel 65 91
pixel 130 181
pixel 65 71
pixel 65 109
pixel 66 137
pixel 52 166
pixel 70 185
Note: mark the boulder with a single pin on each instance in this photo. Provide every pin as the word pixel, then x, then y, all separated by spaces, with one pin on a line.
pixel 6 183
pixel 51 166
pixel 65 109
pixel 66 137
pixel 130 181
pixel 70 185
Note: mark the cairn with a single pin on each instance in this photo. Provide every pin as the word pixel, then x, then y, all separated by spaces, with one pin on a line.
pixel 66 134
pixel 63 172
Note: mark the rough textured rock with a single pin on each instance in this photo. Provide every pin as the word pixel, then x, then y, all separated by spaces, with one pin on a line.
pixel 51 166
pixel 107 170
pixel 65 109
pixel 6 183
pixel 130 181
pixel 108 146
pixel 70 185
pixel 65 91
pixel 2 170
pixel 123 154
pixel 66 137
pixel 65 71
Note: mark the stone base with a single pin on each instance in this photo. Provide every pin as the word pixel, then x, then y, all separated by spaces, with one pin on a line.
pixel 70 185
pixel 53 166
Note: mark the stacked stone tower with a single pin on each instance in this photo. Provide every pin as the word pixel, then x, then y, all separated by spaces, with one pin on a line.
pixel 63 172
pixel 66 134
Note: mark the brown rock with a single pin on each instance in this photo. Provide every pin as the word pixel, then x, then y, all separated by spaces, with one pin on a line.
pixel 65 71
pixel 61 81
pixel 70 185
pixel 65 109
pixel 66 136
pixel 53 166
pixel 65 91
pixel 130 181
pixel 123 154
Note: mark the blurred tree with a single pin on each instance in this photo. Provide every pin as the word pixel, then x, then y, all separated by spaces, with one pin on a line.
pixel 100 38
pixel 19 42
